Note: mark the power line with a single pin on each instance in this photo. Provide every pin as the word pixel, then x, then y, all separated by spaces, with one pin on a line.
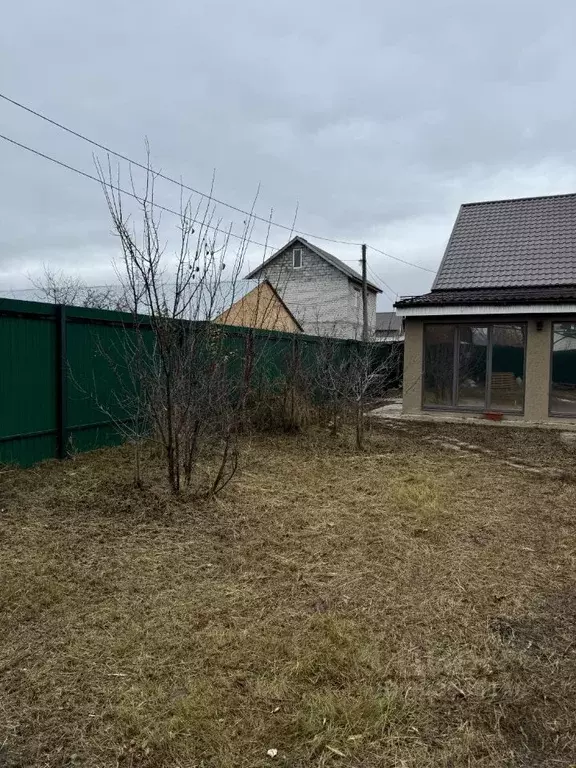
pixel 384 285
pixel 181 184
pixel 127 192
pixel 252 215
pixel 377 277
pixel 402 261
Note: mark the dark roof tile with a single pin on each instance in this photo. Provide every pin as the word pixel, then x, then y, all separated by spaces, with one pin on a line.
pixel 498 296
pixel 505 243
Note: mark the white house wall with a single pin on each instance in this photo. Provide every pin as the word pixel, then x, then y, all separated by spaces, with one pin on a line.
pixel 322 299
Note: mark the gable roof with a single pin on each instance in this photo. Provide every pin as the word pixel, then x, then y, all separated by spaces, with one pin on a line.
pixel 524 242
pixel 250 286
pixel 328 257
pixel 388 321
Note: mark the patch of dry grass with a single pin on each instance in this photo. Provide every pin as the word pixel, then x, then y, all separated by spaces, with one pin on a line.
pixel 411 606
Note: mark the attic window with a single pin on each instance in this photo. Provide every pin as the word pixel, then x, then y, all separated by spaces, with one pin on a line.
pixel 297 258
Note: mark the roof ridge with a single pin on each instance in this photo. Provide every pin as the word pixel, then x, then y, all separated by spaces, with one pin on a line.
pixel 334 261
pixel 518 199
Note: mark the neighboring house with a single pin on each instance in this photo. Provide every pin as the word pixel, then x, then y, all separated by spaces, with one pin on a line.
pixel 261 307
pixel 322 292
pixel 497 332
pixel 388 327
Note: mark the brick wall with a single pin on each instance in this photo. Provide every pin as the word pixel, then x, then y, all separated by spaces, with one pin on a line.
pixel 324 301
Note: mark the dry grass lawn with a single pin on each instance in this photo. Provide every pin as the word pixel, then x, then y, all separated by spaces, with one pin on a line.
pixel 413 606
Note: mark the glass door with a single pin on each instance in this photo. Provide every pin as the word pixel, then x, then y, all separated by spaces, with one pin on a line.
pixel 563 379
pixel 481 367
pixel 507 368
pixel 472 362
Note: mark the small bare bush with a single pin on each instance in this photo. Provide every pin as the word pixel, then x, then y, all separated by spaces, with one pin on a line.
pixel 184 394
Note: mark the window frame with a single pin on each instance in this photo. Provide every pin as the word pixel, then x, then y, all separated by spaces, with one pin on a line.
pixel 300 251
pixel 555 414
pixel 474 323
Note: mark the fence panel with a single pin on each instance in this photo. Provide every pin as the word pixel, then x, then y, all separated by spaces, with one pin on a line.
pixel 101 384
pixel 28 382
pixel 68 373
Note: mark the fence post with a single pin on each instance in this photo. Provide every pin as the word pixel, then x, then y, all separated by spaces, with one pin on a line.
pixel 61 382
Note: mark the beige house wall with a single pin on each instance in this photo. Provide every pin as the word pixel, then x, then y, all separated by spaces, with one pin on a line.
pixel 537 379
pixel 413 365
pixel 537 375
pixel 260 308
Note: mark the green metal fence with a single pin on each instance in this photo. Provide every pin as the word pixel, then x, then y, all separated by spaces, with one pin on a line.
pixel 63 368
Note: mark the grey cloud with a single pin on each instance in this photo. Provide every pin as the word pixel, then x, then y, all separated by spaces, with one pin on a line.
pixel 376 117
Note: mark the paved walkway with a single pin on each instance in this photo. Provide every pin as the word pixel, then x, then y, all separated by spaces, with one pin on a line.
pixel 393 410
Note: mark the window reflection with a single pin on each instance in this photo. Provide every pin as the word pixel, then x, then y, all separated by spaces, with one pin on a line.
pixel 563 384
pixel 489 362
pixel 438 364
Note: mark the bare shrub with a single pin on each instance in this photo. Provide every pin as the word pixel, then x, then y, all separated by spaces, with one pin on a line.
pixel 348 375
pixel 184 389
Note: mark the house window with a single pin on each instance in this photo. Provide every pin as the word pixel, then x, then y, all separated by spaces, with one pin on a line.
pixel 297 258
pixel 563 381
pixel 507 349
pixel 438 364
pixel 472 359
pixel 474 367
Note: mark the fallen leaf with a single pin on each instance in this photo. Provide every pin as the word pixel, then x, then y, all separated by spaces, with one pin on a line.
pixel 272 752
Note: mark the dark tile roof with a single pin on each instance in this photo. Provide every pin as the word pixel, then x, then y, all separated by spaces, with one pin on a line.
pixel 503 243
pixel 388 321
pixel 335 262
pixel 539 295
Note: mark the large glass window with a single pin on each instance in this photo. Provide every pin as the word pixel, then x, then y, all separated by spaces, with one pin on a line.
pixel 472 355
pixel 477 367
pixel 507 374
pixel 438 364
pixel 563 384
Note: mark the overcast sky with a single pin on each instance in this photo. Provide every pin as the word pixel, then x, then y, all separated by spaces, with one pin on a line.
pixel 378 118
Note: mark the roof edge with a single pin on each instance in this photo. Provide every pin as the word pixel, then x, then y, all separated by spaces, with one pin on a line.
pixel 322 255
pixel 286 307
pixel 518 295
pixel 474 311
pixel 518 199
pixel 445 255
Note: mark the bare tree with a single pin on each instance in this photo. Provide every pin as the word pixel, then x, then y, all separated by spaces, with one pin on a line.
pixel 181 361
pixel 373 368
pixel 57 287
pixel 350 374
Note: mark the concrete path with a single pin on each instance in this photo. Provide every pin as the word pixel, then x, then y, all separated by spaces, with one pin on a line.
pixel 393 410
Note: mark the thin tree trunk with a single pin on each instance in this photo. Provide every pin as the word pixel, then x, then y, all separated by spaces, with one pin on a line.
pixel 360 424
pixel 222 467
pixel 137 467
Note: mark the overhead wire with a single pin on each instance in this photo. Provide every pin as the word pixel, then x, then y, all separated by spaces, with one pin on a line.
pixel 383 284
pixel 402 261
pixel 182 185
pixel 127 192
pixel 164 176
